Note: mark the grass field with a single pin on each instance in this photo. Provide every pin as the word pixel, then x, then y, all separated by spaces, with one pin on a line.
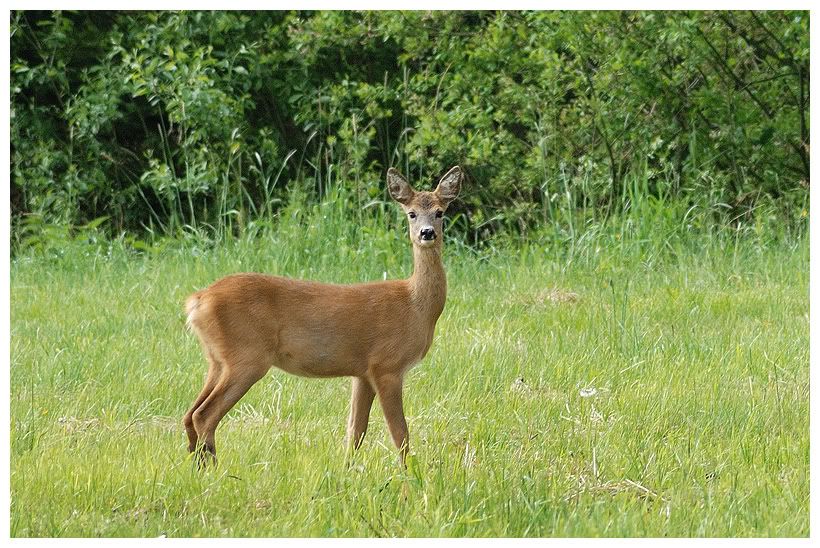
pixel 626 391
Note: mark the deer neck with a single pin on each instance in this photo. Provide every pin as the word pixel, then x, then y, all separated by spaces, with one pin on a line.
pixel 428 284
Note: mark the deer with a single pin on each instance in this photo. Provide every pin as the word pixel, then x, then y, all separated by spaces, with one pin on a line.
pixel 373 332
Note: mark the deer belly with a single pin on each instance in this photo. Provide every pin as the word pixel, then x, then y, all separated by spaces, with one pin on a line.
pixel 312 354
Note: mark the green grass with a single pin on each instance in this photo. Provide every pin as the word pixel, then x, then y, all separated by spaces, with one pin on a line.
pixel 630 389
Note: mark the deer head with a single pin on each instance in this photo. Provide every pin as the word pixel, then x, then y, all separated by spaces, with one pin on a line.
pixel 424 209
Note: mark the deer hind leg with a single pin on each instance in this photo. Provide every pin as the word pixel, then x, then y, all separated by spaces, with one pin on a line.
pixel 214 372
pixel 234 383
pixel 389 388
pixel 360 403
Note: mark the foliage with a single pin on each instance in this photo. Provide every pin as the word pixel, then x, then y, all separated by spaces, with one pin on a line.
pixel 168 120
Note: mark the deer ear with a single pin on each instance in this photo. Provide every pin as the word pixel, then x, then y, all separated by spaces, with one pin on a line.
pixel 450 184
pixel 400 190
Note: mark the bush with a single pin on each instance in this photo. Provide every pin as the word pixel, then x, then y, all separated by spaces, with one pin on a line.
pixel 162 120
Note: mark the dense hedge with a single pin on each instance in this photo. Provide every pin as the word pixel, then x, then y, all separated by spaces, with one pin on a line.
pixel 160 119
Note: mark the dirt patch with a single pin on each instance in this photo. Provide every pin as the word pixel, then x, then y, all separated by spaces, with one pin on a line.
pixel 612 488
pixel 521 386
pixel 75 424
pixel 546 297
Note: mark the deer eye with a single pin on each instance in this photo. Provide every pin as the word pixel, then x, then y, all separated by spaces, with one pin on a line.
pixel 439 214
pixel 412 214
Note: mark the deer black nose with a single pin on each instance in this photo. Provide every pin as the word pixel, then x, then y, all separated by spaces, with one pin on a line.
pixel 428 234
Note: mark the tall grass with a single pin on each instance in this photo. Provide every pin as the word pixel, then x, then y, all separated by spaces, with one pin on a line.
pixel 634 375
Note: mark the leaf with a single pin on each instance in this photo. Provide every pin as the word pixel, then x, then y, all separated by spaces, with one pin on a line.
pixel 96 222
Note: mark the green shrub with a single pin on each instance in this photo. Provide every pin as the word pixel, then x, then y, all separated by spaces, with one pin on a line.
pixel 168 120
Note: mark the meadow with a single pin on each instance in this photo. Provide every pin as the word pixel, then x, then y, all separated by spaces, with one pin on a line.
pixel 610 385
pixel 625 345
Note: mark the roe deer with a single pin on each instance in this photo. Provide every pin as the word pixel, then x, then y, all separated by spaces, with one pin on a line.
pixel 373 332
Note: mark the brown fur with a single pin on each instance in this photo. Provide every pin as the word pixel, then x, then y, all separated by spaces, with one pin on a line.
pixel 373 332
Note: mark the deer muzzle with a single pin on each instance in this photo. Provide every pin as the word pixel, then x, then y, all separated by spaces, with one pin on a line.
pixel 427 234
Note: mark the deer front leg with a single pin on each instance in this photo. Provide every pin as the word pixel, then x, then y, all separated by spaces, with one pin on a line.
pixel 389 388
pixel 360 403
